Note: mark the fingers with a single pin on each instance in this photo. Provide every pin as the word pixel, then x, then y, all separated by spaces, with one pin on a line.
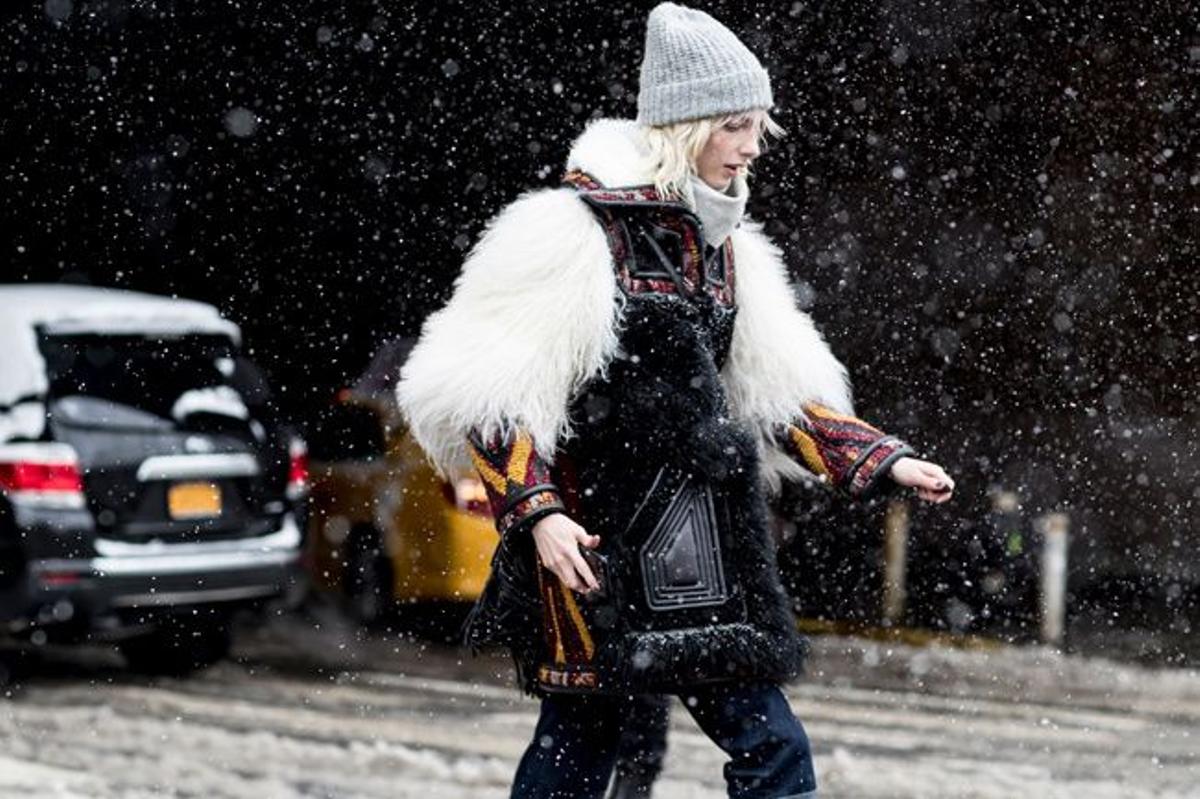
pixel 583 539
pixel 564 569
pixel 586 540
pixel 928 482
pixel 936 497
pixel 580 566
pixel 574 572
pixel 931 482
pixel 928 479
pixel 935 477
pixel 559 552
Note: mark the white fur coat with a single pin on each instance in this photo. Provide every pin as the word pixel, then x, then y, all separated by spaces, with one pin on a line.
pixel 536 312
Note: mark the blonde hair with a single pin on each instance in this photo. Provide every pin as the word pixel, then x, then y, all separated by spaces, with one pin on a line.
pixel 673 149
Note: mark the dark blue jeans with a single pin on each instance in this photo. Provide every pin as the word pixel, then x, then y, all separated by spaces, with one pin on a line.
pixel 643 743
pixel 575 743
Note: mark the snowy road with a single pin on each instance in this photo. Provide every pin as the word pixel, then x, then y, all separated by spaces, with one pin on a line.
pixel 327 712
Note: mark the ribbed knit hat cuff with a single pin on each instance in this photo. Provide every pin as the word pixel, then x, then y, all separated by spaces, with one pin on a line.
pixel 730 93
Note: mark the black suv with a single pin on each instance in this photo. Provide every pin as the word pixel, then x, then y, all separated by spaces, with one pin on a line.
pixel 146 488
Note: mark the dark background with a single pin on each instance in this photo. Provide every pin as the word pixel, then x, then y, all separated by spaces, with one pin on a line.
pixel 989 208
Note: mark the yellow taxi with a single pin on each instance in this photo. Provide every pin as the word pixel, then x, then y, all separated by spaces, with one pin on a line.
pixel 384 528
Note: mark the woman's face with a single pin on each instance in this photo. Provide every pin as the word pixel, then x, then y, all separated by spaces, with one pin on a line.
pixel 729 150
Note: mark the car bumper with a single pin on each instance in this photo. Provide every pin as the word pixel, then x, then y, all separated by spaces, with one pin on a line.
pixel 124 580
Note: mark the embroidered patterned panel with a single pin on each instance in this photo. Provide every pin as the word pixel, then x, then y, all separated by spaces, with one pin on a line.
pixel 851 454
pixel 521 490
pixel 518 482
pixel 569 645
pixel 656 243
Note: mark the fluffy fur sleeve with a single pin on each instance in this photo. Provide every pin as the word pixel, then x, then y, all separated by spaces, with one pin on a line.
pixel 778 360
pixel 532 317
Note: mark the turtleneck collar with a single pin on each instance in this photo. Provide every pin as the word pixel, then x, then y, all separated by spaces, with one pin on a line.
pixel 613 152
pixel 719 211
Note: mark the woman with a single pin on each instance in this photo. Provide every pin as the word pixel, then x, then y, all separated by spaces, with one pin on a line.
pixel 625 359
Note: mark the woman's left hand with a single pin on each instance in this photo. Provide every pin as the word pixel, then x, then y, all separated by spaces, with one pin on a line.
pixel 930 480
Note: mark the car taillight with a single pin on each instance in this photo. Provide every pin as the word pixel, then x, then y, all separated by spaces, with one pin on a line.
pixel 468 494
pixel 41 474
pixel 297 484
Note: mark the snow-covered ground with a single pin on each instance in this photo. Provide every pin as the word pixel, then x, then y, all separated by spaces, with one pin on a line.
pixel 312 707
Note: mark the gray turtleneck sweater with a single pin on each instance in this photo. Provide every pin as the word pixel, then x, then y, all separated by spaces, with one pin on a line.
pixel 719 212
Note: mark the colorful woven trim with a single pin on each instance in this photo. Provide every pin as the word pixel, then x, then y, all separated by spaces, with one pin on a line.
pixel 518 482
pixel 672 215
pixel 567 678
pixel 875 463
pixel 851 454
pixel 541 503
pixel 521 490
pixel 569 648
pixel 621 196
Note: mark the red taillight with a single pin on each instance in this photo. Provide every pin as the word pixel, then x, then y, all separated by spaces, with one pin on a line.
pixel 22 476
pixel 297 484
pixel 59 578
pixel 41 473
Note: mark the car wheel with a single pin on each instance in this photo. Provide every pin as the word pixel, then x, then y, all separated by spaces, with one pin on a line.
pixel 369 580
pixel 178 646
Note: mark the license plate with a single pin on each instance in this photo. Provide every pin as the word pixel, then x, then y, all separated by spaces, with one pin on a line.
pixel 194 500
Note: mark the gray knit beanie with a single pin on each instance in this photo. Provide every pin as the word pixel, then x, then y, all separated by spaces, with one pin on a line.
pixel 695 67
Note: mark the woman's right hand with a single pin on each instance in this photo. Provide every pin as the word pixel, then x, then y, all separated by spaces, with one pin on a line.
pixel 558 539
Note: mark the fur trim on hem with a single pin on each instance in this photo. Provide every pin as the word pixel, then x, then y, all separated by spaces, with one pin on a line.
pixel 664 661
pixel 671 661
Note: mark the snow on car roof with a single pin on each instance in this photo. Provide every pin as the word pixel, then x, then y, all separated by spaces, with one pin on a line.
pixel 85 309
pixel 78 309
